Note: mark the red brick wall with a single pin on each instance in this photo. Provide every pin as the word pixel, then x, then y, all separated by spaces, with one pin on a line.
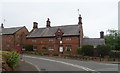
pixel 44 42
pixel 11 42
pixel 7 42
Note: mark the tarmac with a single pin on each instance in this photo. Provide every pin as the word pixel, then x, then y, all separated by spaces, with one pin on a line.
pixel 26 66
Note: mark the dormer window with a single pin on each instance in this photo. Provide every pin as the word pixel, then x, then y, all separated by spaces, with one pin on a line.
pixel 58 30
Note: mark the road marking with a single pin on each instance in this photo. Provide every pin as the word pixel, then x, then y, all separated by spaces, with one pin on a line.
pixel 74 65
pixel 33 65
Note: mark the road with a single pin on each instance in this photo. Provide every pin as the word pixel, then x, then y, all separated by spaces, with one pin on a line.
pixel 59 64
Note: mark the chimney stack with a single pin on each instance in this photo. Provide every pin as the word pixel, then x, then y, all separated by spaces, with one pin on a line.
pixel 48 23
pixel 101 34
pixel 79 19
pixel 2 25
pixel 35 25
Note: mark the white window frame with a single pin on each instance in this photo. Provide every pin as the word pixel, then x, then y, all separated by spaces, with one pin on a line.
pixel 34 40
pixel 68 38
pixel 68 46
pixel 51 39
pixel 50 47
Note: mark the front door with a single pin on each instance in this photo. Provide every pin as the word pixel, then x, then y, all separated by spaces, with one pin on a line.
pixel 61 49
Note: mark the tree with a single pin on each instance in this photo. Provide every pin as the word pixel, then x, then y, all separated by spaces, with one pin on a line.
pixel 87 50
pixel 103 50
pixel 113 39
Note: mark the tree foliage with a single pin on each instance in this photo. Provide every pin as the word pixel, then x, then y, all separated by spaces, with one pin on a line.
pixel 113 39
pixel 14 59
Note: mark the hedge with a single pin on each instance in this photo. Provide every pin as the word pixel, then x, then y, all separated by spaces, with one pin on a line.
pixel 87 50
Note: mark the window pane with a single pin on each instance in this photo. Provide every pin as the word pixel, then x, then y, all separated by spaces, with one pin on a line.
pixel 51 47
pixel 68 38
pixel 51 39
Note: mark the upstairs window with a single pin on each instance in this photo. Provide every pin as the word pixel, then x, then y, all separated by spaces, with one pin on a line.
pixel 68 38
pixel 51 39
pixel 33 40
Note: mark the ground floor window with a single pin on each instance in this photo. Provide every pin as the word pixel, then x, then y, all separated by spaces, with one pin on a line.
pixel 34 47
pixel 68 48
pixel 50 47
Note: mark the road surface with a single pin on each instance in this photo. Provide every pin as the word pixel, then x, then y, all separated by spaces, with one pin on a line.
pixel 44 63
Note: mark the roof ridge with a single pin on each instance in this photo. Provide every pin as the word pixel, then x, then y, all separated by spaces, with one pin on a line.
pixel 13 27
pixel 59 26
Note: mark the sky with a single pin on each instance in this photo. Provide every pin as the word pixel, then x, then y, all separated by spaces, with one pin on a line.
pixel 97 15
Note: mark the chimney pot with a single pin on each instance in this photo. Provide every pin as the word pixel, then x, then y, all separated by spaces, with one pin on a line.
pixel 2 25
pixel 48 23
pixel 35 25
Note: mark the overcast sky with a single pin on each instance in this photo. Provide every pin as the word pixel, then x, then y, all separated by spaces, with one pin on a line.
pixel 97 15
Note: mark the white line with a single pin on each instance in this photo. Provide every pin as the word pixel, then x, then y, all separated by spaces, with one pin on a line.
pixel 33 65
pixel 74 65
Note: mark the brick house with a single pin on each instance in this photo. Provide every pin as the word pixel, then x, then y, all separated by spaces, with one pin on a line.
pixel 58 39
pixel 61 39
pixel 13 38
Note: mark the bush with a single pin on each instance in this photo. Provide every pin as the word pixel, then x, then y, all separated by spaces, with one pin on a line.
pixel 79 50
pixel 87 50
pixel 44 47
pixel 72 56
pixel 5 55
pixel 115 54
pixel 28 47
pixel 14 59
pixel 43 53
pixel 103 50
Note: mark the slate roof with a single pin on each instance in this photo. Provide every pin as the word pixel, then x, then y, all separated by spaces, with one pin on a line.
pixel 93 41
pixel 48 32
pixel 12 30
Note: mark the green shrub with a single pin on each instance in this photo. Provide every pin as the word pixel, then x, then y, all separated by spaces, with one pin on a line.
pixel 72 56
pixel 115 54
pixel 87 50
pixel 43 53
pixel 14 59
pixel 79 50
pixel 103 50
pixel 5 55
pixel 44 47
